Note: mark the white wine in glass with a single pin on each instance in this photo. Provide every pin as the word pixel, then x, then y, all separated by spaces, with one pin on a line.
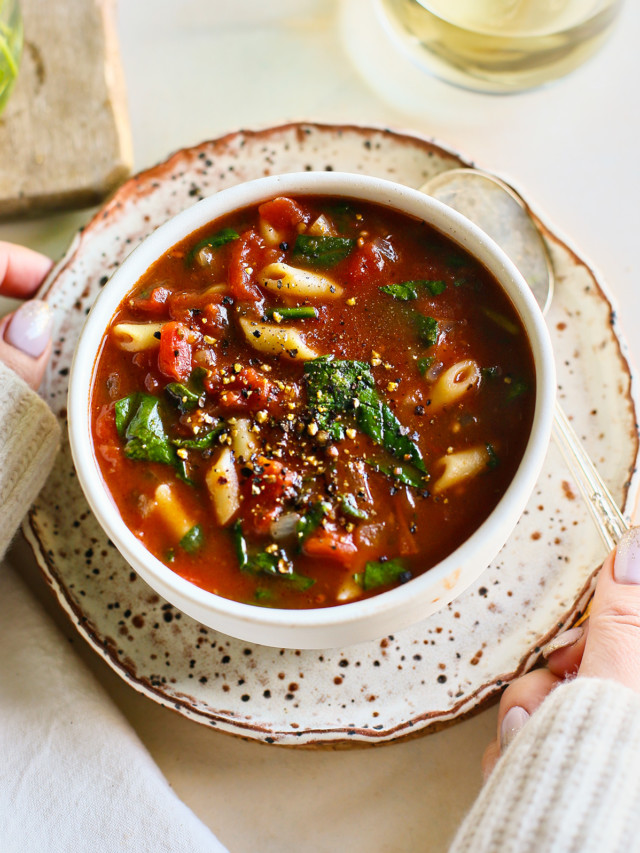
pixel 499 45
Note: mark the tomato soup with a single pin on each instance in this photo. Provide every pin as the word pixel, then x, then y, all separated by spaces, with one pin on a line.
pixel 310 401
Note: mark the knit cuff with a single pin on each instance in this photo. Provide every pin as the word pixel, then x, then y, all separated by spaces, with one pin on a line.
pixel 29 438
pixel 570 780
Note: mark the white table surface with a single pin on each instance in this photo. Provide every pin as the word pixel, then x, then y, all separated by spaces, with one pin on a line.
pixel 199 68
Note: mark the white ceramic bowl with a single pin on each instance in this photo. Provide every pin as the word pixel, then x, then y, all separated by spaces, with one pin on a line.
pixel 361 620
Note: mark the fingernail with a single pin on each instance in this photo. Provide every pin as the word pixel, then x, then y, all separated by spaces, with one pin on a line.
pixel 30 328
pixel 562 641
pixel 513 721
pixel 626 565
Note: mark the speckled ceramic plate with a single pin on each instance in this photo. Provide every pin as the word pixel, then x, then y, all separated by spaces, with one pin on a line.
pixel 424 677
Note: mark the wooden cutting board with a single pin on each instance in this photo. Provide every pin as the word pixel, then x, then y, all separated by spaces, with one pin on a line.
pixel 64 135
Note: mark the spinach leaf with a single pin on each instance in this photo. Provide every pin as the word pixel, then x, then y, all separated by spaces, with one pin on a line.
pixel 193 539
pixel 214 241
pixel 350 508
pixel 181 397
pixel 516 389
pixel 427 329
pixel 336 386
pixel 311 520
pixel 493 461
pixel 124 409
pixel 301 312
pixel 378 574
pixel 271 564
pixel 145 434
pixel 425 363
pixel 408 475
pixel 404 291
pixel 240 544
pixel 407 290
pixel 322 251
pixel 202 442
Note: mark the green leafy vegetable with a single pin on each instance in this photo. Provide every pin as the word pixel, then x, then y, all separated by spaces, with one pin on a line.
pixel 336 386
pixel 407 290
pixel 202 442
pixel 278 565
pixel 403 291
pixel 141 426
pixel 302 312
pixel 516 389
pixel 240 544
pixel 322 251
pixel 349 507
pixel 502 321
pixel 378 574
pixel 425 363
pixel 214 241
pixel 181 397
pixel 193 539
pixel 427 329
pixel 490 372
pixel 406 474
pixel 311 520
pixel 493 461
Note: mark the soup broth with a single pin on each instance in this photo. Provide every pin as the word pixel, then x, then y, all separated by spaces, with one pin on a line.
pixel 310 401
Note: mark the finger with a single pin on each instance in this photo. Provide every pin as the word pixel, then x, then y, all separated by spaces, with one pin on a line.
pixel 564 653
pixel 15 339
pixel 22 270
pixel 612 648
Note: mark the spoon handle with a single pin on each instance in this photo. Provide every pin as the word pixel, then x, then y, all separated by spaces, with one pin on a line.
pixel 609 520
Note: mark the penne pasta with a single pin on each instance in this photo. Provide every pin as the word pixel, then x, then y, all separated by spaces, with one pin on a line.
pixel 223 486
pixel 286 280
pixel 271 236
pixel 453 384
pixel 171 511
pixel 135 337
pixel 243 441
pixel 276 340
pixel 460 466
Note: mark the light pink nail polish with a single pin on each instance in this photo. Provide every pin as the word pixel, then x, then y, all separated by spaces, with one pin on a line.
pixel 626 565
pixel 512 722
pixel 562 641
pixel 30 328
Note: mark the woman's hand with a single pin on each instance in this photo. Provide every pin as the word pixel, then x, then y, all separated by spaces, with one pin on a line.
pixel 25 335
pixel 607 645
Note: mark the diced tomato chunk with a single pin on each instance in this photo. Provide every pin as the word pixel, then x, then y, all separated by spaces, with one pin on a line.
pixel 244 261
pixel 331 544
pixel 107 436
pixel 366 264
pixel 153 305
pixel 265 490
pixel 283 213
pixel 174 357
pixel 248 391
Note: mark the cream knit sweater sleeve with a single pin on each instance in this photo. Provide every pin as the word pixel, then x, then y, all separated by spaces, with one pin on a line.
pixel 29 438
pixel 570 780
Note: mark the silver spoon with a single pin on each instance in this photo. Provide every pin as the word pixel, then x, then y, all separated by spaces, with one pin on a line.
pixel 502 214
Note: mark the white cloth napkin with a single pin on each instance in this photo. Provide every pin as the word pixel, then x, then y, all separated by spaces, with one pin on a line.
pixel 74 776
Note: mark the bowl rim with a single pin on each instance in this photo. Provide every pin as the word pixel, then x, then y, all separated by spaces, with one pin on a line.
pixel 384 192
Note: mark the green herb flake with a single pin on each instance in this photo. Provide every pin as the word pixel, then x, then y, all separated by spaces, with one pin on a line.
pixel 502 321
pixel 214 241
pixel 192 540
pixel 322 251
pixel 377 574
pixel 490 372
pixel 427 329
